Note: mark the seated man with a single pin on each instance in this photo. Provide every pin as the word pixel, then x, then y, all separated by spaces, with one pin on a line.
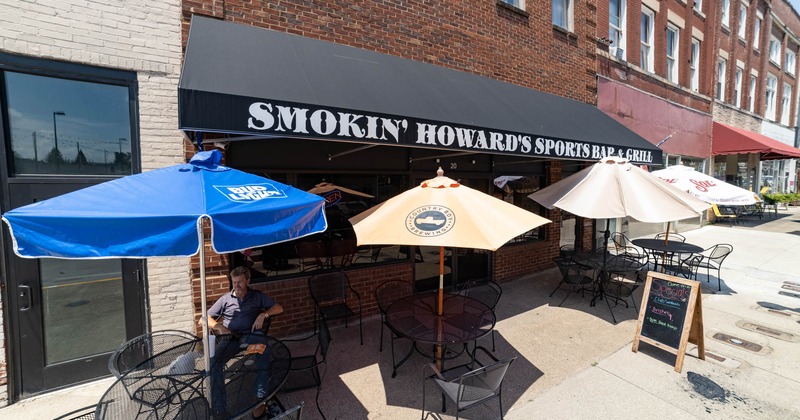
pixel 240 311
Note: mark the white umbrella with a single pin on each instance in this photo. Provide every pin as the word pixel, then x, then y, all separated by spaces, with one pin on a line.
pixel 705 187
pixel 615 188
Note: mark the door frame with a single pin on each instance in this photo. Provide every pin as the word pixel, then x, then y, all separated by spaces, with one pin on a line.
pixel 19 271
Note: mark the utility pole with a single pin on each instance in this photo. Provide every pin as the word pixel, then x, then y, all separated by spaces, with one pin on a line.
pixel 55 128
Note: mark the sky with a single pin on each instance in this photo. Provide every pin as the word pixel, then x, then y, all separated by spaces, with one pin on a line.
pixel 795 4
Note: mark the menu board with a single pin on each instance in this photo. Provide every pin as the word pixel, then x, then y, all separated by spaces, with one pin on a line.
pixel 665 311
pixel 670 315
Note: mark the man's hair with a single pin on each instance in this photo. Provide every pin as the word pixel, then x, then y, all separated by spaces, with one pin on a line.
pixel 241 271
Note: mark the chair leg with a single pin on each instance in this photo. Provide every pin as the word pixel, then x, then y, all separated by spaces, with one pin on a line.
pixel 609 310
pixel 500 401
pixel 492 341
pixel 361 329
pixel 719 278
pixel 556 289
pixel 382 326
pixel 317 401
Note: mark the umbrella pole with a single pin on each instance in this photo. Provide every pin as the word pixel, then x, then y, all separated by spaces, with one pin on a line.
pixel 603 274
pixel 441 302
pixel 664 254
pixel 203 316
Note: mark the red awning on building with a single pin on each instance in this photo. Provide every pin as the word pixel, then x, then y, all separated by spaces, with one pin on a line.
pixel 729 140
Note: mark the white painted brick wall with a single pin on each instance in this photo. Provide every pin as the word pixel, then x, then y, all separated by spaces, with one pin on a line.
pixel 135 35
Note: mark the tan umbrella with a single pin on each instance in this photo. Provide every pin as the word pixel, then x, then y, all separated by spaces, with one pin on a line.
pixel 615 188
pixel 326 187
pixel 441 212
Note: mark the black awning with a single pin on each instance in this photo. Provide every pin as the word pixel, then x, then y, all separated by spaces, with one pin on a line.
pixel 244 80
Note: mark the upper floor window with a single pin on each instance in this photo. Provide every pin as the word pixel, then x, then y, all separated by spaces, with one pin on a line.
pixel 698 5
pixel 790 62
pixel 772 87
pixel 70 127
pixel 775 50
pixel 519 4
pixel 722 66
pixel 616 28
pixel 742 20
pixel 757 33
pixel 672 53
pixel 752 105
pixel 562 14
pixel 786 100
pixel 694 66
pixel 646 59
pixel 726 16
pixel 737 87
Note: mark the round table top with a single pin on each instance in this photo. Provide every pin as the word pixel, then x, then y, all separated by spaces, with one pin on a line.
pixel 671 246
pixel 463 319
pixel 614 263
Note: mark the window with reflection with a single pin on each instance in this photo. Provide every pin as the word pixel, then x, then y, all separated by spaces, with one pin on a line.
pixel 345 196
pixel 515 189
pixel 67 127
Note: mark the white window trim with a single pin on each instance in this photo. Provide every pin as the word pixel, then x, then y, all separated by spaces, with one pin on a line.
pixel 786 102
pixel 694 65
pixel 519 4
pixel 757 33
pixel 675 58
pixel 752 91
pixel 621 47
pixel 742 21
pixel 722 68
pixel 770 105
pixel 568 15
pixel 737 94
pixel 726 15
pixel 649 64
pixel 789 62
pixel 775 50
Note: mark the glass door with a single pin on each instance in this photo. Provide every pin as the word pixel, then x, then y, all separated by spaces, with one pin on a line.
pixel 67 316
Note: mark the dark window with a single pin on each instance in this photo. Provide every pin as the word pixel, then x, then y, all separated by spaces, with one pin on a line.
pixel 68 126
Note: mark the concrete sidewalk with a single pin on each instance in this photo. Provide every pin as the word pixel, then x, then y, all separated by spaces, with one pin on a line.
pixel 573 362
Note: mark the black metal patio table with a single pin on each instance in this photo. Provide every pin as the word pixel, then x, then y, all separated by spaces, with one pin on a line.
pixel 417 318
pixel 177 391
pixel 665 248
pixel 617 264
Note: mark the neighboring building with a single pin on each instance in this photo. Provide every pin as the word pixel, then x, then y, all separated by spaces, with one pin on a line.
pixel 654 67
pixel 712 83
pixel 87 94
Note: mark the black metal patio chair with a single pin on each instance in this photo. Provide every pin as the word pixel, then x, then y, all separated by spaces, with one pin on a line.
pixel 386 293
pixel 308 370
pixel 333 298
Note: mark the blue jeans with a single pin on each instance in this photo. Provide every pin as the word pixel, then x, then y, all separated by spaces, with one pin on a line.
pixel 226 348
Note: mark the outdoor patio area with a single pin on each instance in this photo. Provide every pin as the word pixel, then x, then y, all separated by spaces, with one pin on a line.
pixel 551 344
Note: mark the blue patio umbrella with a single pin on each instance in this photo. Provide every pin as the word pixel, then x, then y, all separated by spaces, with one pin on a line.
pixel 160 213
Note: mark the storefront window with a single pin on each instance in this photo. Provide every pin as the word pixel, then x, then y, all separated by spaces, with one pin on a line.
pixel 346 196
pixel 515 190
pixel 68 127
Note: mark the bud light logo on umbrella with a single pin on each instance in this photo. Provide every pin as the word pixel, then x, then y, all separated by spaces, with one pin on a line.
pixel 250 193
pixel 430 221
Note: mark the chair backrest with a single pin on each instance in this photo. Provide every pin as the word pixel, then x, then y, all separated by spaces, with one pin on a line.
pixel 672 237
pixel 475 385
pixel 293 413
pixel 720 251
pixel 566 251
pixel 328 287
pixel 564 266
pixel 390 291
pixel 146 348
pixel 486 292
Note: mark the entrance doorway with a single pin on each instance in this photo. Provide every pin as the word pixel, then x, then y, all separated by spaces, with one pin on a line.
pixel 66 316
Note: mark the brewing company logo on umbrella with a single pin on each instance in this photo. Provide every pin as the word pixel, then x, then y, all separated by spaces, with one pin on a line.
pixel 250 193
pixel 430 221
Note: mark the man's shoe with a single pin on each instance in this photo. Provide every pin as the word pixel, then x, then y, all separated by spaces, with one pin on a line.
pixel 259 411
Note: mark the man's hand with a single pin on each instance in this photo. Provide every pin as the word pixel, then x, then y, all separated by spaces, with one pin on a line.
pixel 259 321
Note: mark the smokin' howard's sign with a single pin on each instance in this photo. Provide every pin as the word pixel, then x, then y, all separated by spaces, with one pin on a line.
pixel 283 119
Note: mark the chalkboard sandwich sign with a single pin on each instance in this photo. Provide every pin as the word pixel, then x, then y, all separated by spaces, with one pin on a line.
pixel 670 316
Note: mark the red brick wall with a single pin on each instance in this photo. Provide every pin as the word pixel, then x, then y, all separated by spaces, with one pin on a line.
pixel 293 294
pixel 477 36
